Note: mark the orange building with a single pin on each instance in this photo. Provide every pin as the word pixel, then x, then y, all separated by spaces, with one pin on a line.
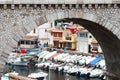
pixel 69 40
pixel 57 36
pixel 63 39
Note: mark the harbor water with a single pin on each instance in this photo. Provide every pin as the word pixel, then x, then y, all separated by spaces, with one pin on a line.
pixel 25 70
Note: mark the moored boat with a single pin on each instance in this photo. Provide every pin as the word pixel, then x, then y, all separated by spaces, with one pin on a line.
pixel 39 75
pixel 96 73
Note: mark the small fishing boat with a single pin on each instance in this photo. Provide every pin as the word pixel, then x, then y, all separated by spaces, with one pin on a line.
pixel 101 64
pixel 66 67
pixel 43 64
pixel 96 73
pixel 39 75
pixel 21 59
pixel 17 61
pixel 84 72
pixel 73 70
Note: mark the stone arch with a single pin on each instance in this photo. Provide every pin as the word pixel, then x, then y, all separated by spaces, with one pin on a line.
pixel 100 20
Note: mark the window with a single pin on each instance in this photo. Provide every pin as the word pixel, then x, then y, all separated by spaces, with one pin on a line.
pixel 68 38
pixel 34 30
pixel 95 48
pixel 77 34
pixel 83 35
pixel 56 43
pixel 22 42
pixel 32 42
pixel 18 43
pixel 68 44
pixel 60 35
pixel 28 42
pixel 55 34
pixel 45 30
pixel 35 42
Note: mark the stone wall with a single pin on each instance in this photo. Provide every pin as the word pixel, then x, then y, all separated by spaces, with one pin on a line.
pixel 59 1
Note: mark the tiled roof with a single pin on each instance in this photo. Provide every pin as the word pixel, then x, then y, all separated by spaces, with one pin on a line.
pixel 29 37
pixel 56 30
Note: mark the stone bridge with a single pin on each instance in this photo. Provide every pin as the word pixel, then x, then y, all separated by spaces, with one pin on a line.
pixel 100 17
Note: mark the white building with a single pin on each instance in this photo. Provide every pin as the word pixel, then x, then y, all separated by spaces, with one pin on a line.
pixel 43 34
pixel 82 41
pixel 87 43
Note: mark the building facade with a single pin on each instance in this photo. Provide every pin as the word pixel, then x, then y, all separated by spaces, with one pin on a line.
pixel 86 43
pixel 57 36
pixel 69 40
pixel 44 37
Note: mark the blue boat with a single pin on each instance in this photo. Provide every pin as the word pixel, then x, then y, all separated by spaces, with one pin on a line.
pixel 92 63
pixel 33 51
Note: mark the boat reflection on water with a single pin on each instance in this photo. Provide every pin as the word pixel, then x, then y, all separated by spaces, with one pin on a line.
pixel 25 71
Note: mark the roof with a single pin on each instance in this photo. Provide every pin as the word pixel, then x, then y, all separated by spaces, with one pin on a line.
pixel 75 28
pixel 83 31
pixel 30 37
pixel 44 38
pixel 66 41
pixel 94 42
pixel 57 30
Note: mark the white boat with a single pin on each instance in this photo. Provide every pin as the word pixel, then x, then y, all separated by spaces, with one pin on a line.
pixel 84 71
pixel 42 54
pixel 96 73
pixel 89 59
pixel 15 61
pixel 101 64
pixel 49 55
pixel 82 60
pixel 73 70
pixel 19 60
pixel 53 65
pixel 39 75
pixel 66 67
pixel 58 57
pixel 61 57
pixel 43 64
